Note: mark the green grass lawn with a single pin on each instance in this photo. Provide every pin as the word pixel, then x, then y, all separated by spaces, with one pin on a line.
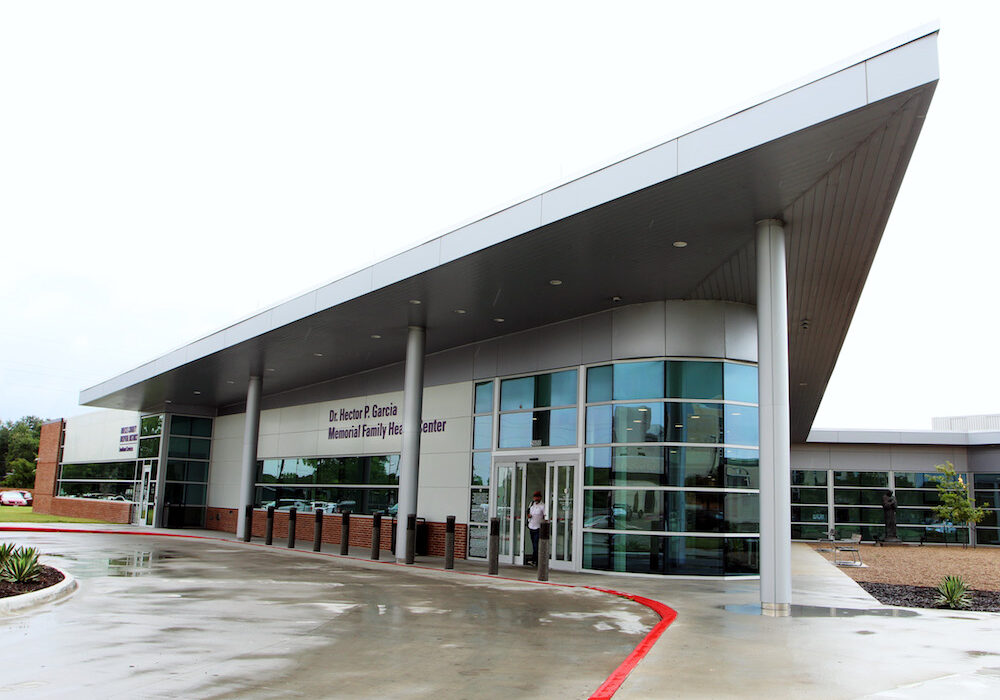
pixel 25 514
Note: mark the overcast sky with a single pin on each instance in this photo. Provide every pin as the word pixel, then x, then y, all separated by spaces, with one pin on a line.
pixel 167 168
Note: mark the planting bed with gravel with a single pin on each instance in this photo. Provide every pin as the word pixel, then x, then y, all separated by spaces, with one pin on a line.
pixel 909 575
pixel 48 577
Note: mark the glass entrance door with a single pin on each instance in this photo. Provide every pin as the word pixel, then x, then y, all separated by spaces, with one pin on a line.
pixel 515 483
pixel 146 497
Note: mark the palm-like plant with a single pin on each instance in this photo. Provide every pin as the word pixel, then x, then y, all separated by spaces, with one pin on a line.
pixel 21 566
pixel 953 592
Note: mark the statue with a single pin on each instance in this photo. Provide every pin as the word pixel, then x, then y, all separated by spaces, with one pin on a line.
pixel 889 513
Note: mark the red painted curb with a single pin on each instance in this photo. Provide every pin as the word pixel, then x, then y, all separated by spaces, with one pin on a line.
pixel 604 692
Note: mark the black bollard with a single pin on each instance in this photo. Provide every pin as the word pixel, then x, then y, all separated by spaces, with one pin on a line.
pixel 269 532
pixel 248 523
pixel 493 553
pixel 411 536
pixel 544 547
pixel 376 535
pixel 291 528
pixel 345 532
pixel 449 542
pixel 318 531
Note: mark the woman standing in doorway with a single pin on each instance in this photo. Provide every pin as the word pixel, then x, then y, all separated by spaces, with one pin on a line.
pixel 536 514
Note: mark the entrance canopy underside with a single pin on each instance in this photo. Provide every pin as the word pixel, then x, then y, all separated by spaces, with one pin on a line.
pixel 827 157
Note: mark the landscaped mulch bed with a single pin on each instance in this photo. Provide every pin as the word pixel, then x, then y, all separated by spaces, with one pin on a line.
pixel 49 577
pixel 926 596
pixel 908 576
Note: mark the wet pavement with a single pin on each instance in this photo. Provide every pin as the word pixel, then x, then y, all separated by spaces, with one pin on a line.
pixel 159 617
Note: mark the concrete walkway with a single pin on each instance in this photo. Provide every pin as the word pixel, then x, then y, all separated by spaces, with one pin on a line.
pixel 167 617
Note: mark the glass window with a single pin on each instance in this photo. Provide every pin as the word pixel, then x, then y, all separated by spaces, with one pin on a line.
pixel 484 397
pixel 102 490
pixel 809 514
pixel 696 422
pixel 809 532
pixel 803 477
pixel 740 382
pixel 482 432
pixel 638 380
pixel 363 501
pixel 195 448
pixel 149 447
pixel 557 389
pixel 599 424
pixel 150 425
pixel 517 394
pixel 872 516
pixel 705 511
pixel 599 381
pixel 694 380
pixel 916 498
pixel 382 470
pixel 861 479
pixel 670 555
pixel 481 468
pixel 987 535
pixel 108 470
pixel 860 497
pixel 741 425
pixel 801 495
pixel 188 425
pixel 538 428
pixel 915 480
pixel 916 516
pixel 562 426
pixel 637 422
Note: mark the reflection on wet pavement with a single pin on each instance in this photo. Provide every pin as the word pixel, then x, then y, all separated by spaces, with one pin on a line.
pixel 820 611
pixel 188 618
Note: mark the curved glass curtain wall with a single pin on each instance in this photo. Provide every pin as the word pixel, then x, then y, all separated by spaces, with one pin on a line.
pixel 671 473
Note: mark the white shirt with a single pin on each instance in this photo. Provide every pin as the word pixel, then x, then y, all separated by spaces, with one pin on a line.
pixel 536 514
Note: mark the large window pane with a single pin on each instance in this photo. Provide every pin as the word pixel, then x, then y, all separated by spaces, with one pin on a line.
pixel 695 422
pixel 801 495
pixel 383 470
pixel 516 429
pixel 916 480
pixel 151 425
pixel 916 498
pixel 599 425
pixel 328 499
pixel 638 380
pixel 484 397
pixel 637 422
pixel 702 511
pixel 190 426
pixel 103 490
pixel 107 470
pixel 741 425
pixel 562 427
pixel 630 509
pixel 694 380
pixel 149 447
pixel 860 497
pixel 815 514
pixel 861 479
pixel 803 477
pixel 482 432
pixel 481 468
pixel 517 394
pixel 670 555
pixel 740 383
pixel 599 381
pixel 557 389
pixel 873 516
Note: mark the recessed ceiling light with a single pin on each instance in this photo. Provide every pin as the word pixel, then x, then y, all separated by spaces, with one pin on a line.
pixel 167 401
pixel 230 381
pixel 803 383
pixel 680 244
pixel 555 283
pixel 736 413
pixel 637 421
pixel 615 299
pixel 375 336
pixel 459 311
pixel 415 301
pixel 694 416
pixel 499 320
pixel 269 369
pixel 643 409
pixel 317 354
pixel 197 393
pixel 678 425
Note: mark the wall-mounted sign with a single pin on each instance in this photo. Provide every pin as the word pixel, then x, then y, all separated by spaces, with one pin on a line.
pixel 373 421
pixel 128 438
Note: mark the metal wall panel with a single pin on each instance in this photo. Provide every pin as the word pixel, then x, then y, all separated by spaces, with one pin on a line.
pixel 638 331
pixel 294 309
pixel 902 68
pixel 741 332
pixel 494 229
pixel 519 353
pixel 695 329
pixel 484 359
pixel 344 289
pixel 595 338
pixel 559 345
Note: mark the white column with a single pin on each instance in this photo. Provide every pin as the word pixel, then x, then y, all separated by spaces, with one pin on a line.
pixel 409 459
pixel 775 450
pixel 248 472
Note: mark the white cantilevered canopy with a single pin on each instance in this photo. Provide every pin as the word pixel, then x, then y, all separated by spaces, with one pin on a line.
pixel 826 157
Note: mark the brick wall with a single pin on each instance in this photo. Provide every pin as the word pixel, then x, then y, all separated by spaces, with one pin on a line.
pixel 47 467
pixel 224 519
pixel 108 511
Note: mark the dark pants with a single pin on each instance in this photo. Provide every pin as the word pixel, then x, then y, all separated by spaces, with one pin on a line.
pixel 535 534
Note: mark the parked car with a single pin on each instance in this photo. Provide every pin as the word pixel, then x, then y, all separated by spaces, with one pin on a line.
pixel 27 496
pixel 12 498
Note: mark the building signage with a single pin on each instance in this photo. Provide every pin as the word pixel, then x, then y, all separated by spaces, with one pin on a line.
pixel 373 420
pixel 126 441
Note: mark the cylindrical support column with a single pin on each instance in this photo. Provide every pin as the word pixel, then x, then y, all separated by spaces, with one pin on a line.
pixel 318 531
pixel 291 527
pixel 345 532
pixel 248 467
pixel 269 530
pixel 376 535
pixel 247 522
pixel 409 458
pixel 493 547
pixel 449 542
pixel 544 549
pixel 775 434
pixel 411 537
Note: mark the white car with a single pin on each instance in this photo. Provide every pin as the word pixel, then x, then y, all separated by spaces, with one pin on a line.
pixel 12 498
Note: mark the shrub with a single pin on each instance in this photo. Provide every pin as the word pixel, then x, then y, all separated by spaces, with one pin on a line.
pixel 953 592
pixel 21 566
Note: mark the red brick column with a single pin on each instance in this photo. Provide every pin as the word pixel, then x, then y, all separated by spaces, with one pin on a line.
pixel 47 467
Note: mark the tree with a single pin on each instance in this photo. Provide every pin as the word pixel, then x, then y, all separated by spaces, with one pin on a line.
pixel 956 504
pixel 20 474
pixel 19 440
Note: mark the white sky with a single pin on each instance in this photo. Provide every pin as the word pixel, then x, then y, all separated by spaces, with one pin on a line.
pixel 167 168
